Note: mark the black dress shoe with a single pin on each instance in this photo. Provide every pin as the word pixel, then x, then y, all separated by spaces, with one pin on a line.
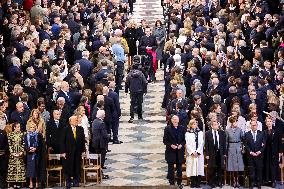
pixel 108 150
pixel 104 167
pixel 117 142
pixel 130 120
pixel 105 177
pixel 110 140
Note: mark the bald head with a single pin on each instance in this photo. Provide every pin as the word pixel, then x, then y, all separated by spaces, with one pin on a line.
pixel 20 107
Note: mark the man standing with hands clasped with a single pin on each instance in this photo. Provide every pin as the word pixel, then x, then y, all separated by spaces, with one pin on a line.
pixel 215 150
pixel 72 147
pixel 174 139
pixel 255 144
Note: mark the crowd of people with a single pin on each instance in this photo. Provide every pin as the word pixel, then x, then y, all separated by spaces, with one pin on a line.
pixel 63 64
pixel 223 65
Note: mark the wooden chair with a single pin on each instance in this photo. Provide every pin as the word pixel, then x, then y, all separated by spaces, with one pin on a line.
pixel 54 164
pixel 92 163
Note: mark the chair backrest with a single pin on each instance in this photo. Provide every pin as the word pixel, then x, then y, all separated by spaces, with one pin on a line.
pixel 53 160
pixel 93 159
pixel 54 157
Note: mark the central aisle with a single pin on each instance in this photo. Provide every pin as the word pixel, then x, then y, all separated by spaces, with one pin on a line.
pixel 139 160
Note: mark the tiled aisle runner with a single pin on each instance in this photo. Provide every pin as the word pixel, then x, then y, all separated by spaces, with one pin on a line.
pixel 140 159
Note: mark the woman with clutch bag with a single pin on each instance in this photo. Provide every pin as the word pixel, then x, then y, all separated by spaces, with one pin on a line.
pixel 234 145
pixel 194 156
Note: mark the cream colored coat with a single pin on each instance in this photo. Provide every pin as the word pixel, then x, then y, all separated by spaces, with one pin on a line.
pixel 194 166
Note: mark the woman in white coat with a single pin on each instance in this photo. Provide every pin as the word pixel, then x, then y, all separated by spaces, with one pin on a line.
pixel 194 154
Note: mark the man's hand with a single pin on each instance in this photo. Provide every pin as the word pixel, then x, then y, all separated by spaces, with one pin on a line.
pixel 207 157
pixel 257 153
pixel 179 146
pixel 63 155
pixel 252 153
pixel 173 146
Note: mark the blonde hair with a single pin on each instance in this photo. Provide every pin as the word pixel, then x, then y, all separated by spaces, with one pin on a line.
pixel 190 123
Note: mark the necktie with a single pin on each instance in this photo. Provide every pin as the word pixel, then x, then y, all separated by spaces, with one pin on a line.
pixel 254 136
pixel 215 139
pixel 74 132
pixel 57 123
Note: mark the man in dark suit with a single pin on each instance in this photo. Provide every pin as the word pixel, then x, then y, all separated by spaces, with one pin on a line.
pixel 116 113
pixel 197 105
pixel 62 107
pixel 72 147
pixel 86 66
pixel 147 42
pixel 109 109
pixel 272 152
pixel 54 131
pixel 64 92
pixel 172 106
pixel 100 137
pixel 20 115
pixel 215 150
pixel 174 139
pixel 255 145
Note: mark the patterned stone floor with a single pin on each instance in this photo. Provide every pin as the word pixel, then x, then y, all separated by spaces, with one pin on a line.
pixel 139 160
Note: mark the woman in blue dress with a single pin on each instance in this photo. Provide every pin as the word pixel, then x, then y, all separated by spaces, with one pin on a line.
pixel 33 141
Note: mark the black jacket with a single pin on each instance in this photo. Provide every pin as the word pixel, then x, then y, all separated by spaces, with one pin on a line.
pixel 171 155
pixel 210 148
pixel 73 149
pixel 147 42
pixel 100 136
pixel 136 82
pixel 252 146
pixel 54 135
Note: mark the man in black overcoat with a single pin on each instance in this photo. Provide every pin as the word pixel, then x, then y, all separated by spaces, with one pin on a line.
pixel 54 129
pixel 272 152
pixel 215 151
pixel 72 147
pixel 174 139
pixel 100 137
pixel 255 145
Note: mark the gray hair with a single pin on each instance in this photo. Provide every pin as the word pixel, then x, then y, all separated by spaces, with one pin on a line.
pixel 217 98
pixel 100 114
pixel 27 82
pixel 61 99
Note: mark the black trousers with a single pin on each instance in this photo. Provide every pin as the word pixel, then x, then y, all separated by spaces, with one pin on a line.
pixel 115 125
pixel 119 74
pixel 136 99
pixel 215 173
pixel 69 181
pixel 171 173
pixel 255 170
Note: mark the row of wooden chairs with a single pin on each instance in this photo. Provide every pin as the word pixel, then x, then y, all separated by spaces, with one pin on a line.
pixel 91 164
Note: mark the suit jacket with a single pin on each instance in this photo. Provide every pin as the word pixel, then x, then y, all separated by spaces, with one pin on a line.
pixel 100 136
pixel 21 118
pixel 210 148
pixel 147 41
pixel 73 149
pixel 86 68
pixel 171 155
pixel 276 144
pixel 114 96
pixel 252 146
pixel 109 108
pixel 54 135
pixel 68 99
